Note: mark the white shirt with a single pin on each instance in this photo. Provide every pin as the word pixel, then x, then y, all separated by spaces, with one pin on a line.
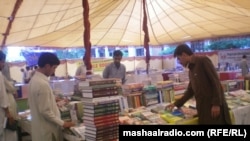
pixel 46 119
pixel 81 70
pixel 4 103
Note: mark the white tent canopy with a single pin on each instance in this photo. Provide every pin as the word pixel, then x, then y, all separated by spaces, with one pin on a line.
pixel 59 23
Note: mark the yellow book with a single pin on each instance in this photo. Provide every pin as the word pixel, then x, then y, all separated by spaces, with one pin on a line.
pixel 169 118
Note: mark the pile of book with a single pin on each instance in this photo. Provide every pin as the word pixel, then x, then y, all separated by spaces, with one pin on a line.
pixel 75 133
pixel 180 88
pixel 150 95
pixel 133 117
pixel 166 91
pixel 99 88
pixel 101 110
pixel 101 120
pixel 133 94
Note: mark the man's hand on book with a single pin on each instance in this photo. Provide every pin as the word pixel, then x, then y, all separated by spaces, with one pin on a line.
pixel 68 124
pixel 170 107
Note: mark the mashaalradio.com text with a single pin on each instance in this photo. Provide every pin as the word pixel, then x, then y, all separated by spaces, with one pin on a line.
pixel 173 132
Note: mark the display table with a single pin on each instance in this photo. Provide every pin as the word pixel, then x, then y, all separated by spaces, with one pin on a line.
pixel 25 126
pixel 228 75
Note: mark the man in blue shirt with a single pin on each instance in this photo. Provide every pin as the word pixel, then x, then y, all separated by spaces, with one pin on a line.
pixel 115 69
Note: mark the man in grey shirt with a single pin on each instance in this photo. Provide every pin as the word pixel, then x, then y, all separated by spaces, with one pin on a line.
pixel 244 66
pixel 115 69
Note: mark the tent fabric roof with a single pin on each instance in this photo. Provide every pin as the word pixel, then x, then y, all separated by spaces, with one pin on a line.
pixel 59 23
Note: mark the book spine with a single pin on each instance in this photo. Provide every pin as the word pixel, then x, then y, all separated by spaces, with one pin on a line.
pixel 102 110
pixel 102 124
pixel 105 87
pixel 101 113
pixel 102 106
pixel 102 102
pixel 100 117
pixel 100 94
pixel 101 82
pixel 96 122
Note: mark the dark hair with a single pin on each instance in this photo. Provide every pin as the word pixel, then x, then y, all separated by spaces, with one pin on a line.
pixel 182 48
pixel 48 58
pixel 2 56
pixel 244 56
pixel 117 53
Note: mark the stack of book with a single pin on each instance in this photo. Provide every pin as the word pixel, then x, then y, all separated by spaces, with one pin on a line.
pixel 101 109
pixel 75 133
pixel 99 88
pixel 180 88
pixel 153 117
pixel 150 95
pixel 101 120
pixel 133 94
pixel 166 91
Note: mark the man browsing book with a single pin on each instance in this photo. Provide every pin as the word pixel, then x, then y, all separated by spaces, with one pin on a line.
pixel 46 120
pixel 205 86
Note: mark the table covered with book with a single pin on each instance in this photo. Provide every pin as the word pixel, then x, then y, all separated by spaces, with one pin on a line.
pixel 92 104
pixel 144 110
pixel 238 103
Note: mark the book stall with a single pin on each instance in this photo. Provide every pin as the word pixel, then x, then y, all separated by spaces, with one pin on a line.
pixel 100 106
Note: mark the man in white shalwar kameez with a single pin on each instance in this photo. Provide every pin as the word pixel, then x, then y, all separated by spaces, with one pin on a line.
pixel 11 90
pixel 46 122
pixel 4 102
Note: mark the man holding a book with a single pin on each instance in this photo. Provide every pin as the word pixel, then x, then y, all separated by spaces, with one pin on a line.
pixel 46 119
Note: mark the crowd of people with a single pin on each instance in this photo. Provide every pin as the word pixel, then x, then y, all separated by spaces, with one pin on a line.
pixel 27 73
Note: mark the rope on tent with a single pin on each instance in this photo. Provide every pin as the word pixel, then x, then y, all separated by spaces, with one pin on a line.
pixel 86 37
pixel 11 19
pixel 146 36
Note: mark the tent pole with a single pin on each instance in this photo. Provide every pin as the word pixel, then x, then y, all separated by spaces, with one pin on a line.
pixel 146 36
pixel 86 37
